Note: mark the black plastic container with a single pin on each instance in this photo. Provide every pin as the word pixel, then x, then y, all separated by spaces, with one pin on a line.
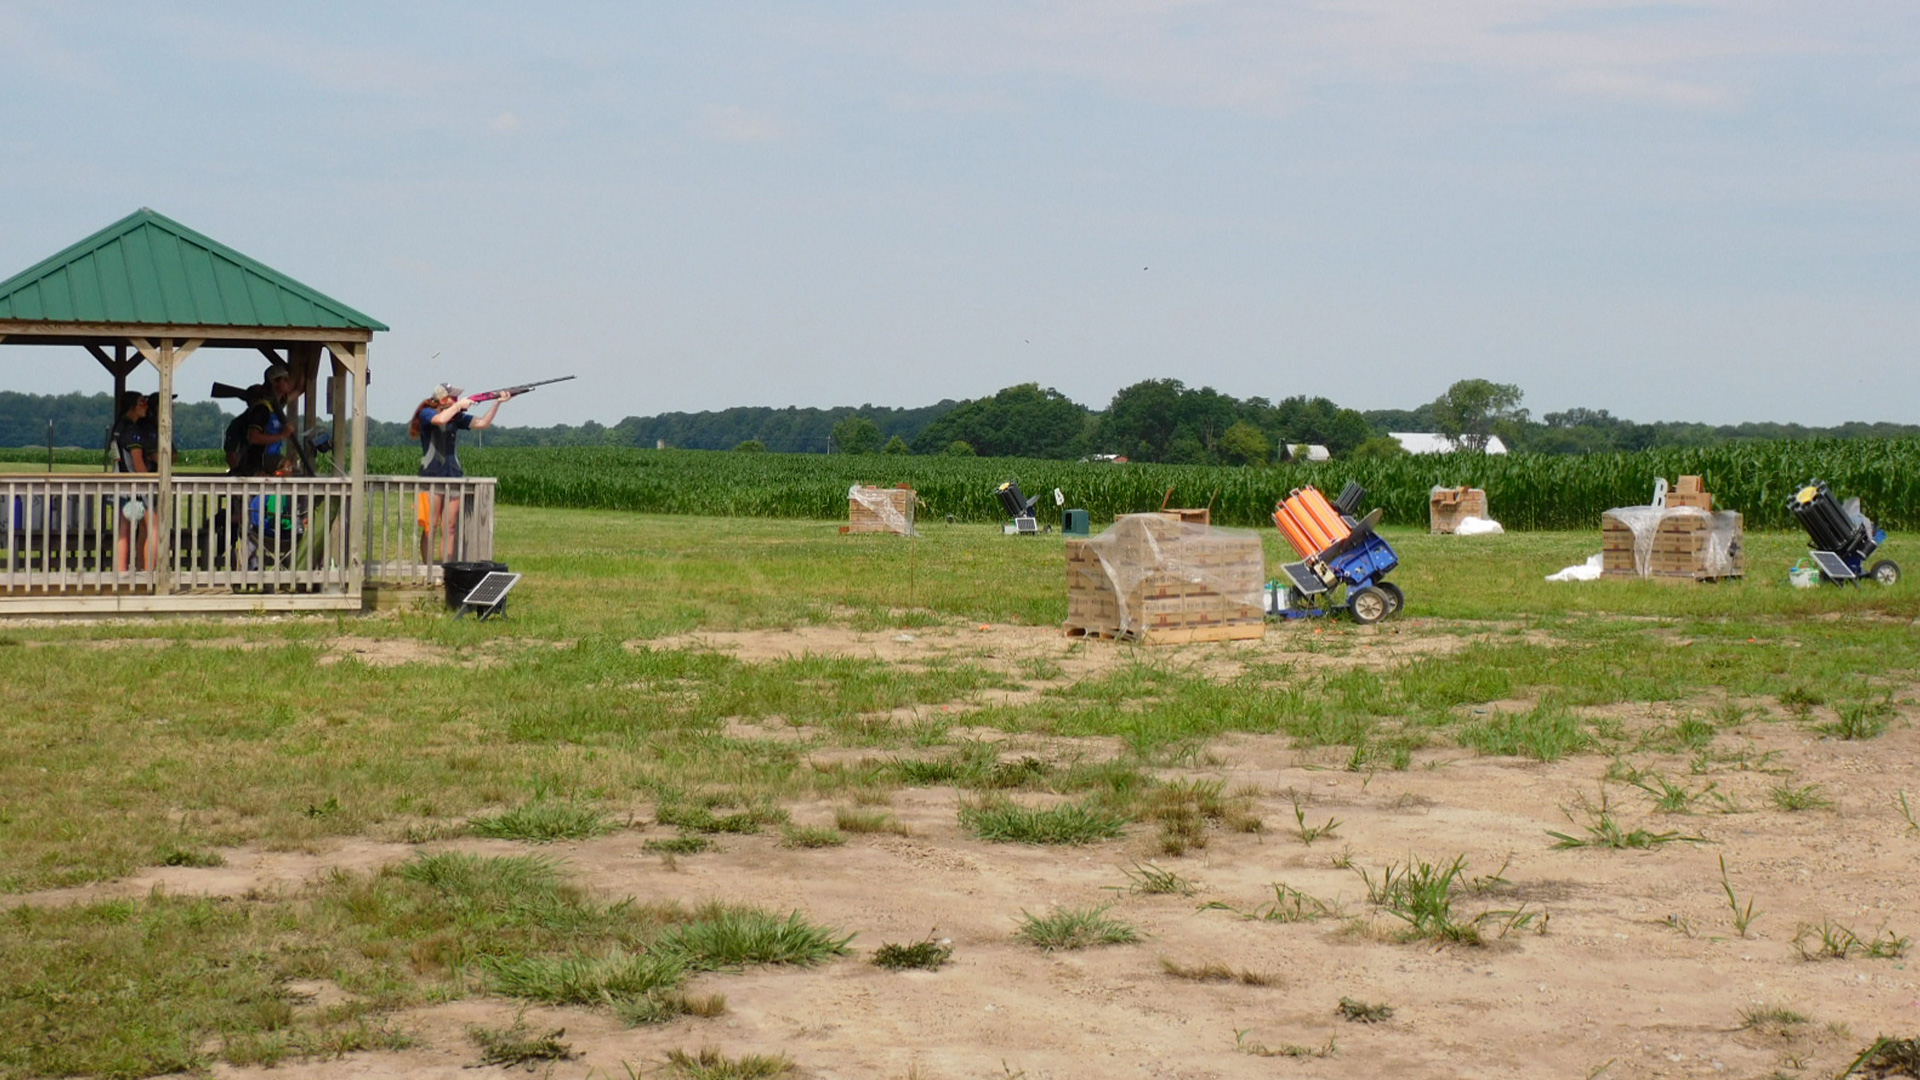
pixel 461 577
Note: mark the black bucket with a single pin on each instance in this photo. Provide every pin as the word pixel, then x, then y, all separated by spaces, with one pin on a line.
pixel 461 577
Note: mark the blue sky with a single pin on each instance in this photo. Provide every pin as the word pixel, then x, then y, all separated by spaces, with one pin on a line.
pixel 1673 211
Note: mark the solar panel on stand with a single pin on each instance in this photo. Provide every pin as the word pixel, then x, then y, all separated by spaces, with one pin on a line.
pixel 1833 566
pixel 485 598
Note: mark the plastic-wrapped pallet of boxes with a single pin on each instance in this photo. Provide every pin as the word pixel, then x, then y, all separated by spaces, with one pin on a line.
pixel 872 509
pixel 1686 540
pixel 1155 579
pixel 1446 506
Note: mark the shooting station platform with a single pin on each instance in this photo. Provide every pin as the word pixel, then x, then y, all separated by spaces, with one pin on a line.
pixel 149 290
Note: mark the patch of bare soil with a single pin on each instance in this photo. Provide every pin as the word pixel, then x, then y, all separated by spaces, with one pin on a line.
pixel 387 652
pixel 1631 967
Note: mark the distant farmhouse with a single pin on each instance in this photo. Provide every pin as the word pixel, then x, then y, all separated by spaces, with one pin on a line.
pixel 1422 442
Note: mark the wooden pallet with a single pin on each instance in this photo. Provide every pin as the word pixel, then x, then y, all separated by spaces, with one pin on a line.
pixel 1175 636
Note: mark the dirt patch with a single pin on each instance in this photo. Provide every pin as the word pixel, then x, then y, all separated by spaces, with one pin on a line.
pixel 1596 961
pixel 1632 961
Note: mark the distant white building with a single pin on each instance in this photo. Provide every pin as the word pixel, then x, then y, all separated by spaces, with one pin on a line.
pixel 1423 442
pixel 1308 452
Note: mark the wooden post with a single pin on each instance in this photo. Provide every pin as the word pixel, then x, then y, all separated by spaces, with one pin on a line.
pixel 163 453
pixel 119 365
pixel 166 359
pixel 355 358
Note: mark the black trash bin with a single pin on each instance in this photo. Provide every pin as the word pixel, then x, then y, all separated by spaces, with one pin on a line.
pixel 461 577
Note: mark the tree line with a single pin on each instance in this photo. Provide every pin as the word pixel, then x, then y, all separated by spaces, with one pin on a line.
pixel 1155 420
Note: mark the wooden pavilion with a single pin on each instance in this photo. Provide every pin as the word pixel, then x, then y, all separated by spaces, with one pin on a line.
pixel 148 290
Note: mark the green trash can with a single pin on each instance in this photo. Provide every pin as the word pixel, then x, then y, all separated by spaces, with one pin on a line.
pixel 1076 523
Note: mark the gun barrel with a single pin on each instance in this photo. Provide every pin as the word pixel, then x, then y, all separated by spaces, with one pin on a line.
pixel 521 389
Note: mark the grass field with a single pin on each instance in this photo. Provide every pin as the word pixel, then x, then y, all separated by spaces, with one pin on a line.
pixel 767 689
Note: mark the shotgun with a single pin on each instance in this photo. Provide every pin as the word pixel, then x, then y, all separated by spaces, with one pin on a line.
pixel 516 391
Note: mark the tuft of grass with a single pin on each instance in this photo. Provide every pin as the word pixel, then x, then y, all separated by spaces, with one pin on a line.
pixel 1832 941
pixel 708 1063
pixel 1287 1050
pixel 1794 799
pixel 716 813
pixel 1075 928
pixel 1187 810
pixel 925 955
pixel 1546 733
pixel 1153 881
pixel 1310 833
pixel 1888 1056
pixel 1290 905
pixel 542 822
pixel 1771 1019
pixel 613 976
pixel 810 836
pixel 1906 811
pixel 1215 971
pixel 1743 915
pixel 852 820
pixel 519 1044
pixel 1362 1013
pixel 727 936
pixel 684 844
pixel 1422 894
pixel 1799 701
pixel 1603 831
pixel 1858 720
pixel 1001 822
pixel 1669 797
pixel 197 858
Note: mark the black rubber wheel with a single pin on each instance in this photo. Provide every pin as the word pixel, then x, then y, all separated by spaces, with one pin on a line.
pixel 1395 598
pixel 1886 572
pixel 1368 605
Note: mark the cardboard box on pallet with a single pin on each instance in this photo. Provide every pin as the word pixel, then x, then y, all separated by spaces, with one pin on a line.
pixel 1447 505
pixel 1156 579
pixel 1674 543
pixel 874 510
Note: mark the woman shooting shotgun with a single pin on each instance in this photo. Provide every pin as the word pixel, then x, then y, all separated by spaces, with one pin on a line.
pixel 437 423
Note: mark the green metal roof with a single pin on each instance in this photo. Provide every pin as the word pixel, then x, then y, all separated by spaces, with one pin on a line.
pixel 149 269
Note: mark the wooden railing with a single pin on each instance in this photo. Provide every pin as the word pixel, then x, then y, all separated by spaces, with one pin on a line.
pixel 402 510
pixel 96 542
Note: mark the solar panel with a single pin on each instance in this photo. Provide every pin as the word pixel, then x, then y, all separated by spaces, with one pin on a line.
pixel 1834 566
pixel 1304 578
pixel 490 592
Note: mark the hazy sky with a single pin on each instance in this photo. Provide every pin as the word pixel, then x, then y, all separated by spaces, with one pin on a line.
pixel 1673 211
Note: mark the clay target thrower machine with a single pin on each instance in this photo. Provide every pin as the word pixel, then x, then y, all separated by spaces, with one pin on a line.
pixel 1337 551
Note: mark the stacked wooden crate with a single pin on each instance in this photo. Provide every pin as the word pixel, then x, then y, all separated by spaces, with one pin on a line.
pixel 1158 580
pixel 1447 506
pixel 1688 542
pixel 1688 492
pixel 873 510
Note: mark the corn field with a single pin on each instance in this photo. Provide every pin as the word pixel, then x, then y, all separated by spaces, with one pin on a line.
pixel 1524 491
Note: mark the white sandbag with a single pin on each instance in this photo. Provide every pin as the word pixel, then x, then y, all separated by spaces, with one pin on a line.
pixel 1477 526
pixel 1586 571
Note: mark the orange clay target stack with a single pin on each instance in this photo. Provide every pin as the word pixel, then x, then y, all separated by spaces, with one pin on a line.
pixel 1336 551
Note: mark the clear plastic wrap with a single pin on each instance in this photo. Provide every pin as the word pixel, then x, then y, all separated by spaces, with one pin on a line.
pixel 891 509
pixel 1709 544
pixel 1151 575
